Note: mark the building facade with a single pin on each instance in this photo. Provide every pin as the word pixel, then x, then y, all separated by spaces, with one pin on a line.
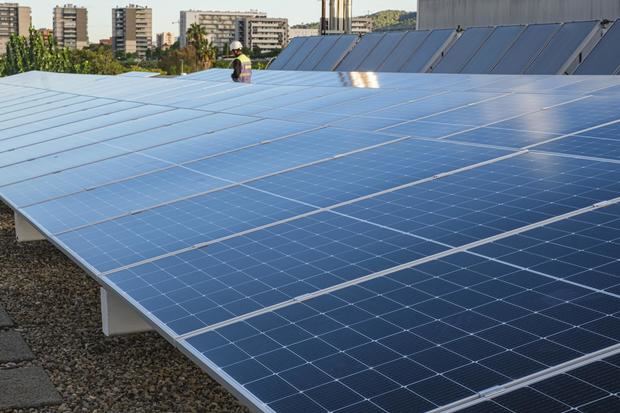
pixel 132 29
pixel 165 40
pixel 293 33
pixel 221 26
pixel 71 26
pixel 14 19
pixel 361 25
pixel 440 14
pixel 264 34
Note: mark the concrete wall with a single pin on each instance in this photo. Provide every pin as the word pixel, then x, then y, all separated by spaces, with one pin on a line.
pixel 435 14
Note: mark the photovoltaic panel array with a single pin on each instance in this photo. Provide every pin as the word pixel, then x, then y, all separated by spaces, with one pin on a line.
pixel 346 242
pixel 605 58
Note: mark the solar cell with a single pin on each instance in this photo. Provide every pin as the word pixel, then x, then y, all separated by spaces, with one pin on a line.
pixel 463 49
pixel 493 49
pixel 424 56
pixel 426 336
pixel 581 250
pixel 604 59
pixel 525 49
pixel 563 48
pixel 288 52
pixel 360 52
pixel 388 46
pixel 493 199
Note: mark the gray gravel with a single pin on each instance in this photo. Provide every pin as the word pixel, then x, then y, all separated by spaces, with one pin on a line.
pixel 55 307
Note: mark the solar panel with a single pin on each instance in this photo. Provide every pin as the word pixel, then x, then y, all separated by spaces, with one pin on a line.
pixel 526 48
pixel 463 49
pixel 335 55
pixel 432 47
pixel 588 389
pixel 407 47
pixel 563 48
pixel 296 44
pixel 604 59
pixel 360 52
pixel 326 44
pixel 389 45
pixel 493 49
pixel 343 242
pixel 302 53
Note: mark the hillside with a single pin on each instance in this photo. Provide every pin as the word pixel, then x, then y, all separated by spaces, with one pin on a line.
pixel 382 20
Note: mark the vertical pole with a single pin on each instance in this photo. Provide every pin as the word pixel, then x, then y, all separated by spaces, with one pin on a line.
pixel 324 18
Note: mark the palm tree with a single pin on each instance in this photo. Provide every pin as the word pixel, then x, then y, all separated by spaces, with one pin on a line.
pixel 206 53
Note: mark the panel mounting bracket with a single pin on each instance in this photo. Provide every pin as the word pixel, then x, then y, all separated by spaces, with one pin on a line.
pixel 118 318
pixel 24 230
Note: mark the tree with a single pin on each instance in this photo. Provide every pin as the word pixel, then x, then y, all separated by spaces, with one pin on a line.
pixel 204 51
pixel 35 53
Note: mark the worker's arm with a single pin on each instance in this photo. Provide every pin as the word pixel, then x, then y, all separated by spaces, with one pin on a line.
pixel 236 70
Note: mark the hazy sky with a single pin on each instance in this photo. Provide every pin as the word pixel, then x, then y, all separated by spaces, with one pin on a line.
pixel 166 12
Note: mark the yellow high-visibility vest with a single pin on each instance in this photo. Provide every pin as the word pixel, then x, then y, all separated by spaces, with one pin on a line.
pixel 246 69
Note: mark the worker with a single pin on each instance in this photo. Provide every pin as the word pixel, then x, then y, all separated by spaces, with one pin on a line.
pixel 242 65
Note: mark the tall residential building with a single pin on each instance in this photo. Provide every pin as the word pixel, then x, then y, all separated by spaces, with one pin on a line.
pixel 165 40
pixel 221 26
pixel 14 19
pixel 71 26
pixel 132 29
pixel 265 34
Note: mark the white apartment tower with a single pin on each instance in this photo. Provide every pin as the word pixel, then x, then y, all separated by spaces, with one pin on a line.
pixel 71 26
pixel 132 29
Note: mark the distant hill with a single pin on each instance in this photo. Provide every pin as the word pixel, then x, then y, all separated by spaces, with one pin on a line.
pixel 382 20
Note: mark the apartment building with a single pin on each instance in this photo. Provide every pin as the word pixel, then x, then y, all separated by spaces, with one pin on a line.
pixel 165 40
pixel 361 25
pixel 14 19
pixel 221 26
pixel 132 29
pixel 293 33
pixel 265 34
pixel 71 26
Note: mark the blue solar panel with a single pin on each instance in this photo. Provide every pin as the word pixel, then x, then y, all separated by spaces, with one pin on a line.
pixel 591 388
pixel 407 47
pixel 525 49
pixel 419 339
pixel 302 53
pixel 360 52
pixel 338 52
pixel 604 59
pixel 322 268
pixel 432 46
pixel 389 45
pixel 582 250
pixel 264 268
pixel 326 44
pixel 285 56
pixel 368 172
pixel 493 49
pixel 463 50
pixel 492 199
pixel 563 48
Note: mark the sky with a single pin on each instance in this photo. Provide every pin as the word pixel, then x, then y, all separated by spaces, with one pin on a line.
pixel 166 12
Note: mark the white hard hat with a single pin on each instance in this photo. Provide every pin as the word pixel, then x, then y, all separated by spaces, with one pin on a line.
pixel 236 45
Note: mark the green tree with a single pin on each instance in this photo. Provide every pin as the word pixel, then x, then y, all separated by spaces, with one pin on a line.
pixel 204 51
pixel 34 53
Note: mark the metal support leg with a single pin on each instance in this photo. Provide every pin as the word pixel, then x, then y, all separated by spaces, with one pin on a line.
pixel 25 231
pixel 118 318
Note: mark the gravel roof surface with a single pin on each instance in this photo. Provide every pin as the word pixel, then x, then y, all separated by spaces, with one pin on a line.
pixel 55 307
